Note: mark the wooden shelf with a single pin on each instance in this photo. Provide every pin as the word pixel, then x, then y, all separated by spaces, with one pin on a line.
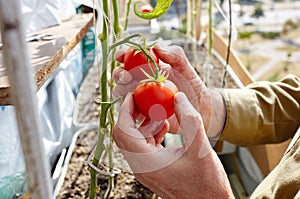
pixel 45 56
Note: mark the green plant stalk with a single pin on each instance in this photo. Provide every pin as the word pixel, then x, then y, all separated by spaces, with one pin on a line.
pixel 188 21
pixel 210 42
pixel 107 109
pixel 196 6
pixel 193 18
pixel 117 30
pixel 193 13
pixel 191 24
pixel 127 14
pixel 117 27
pixel 229 45
pixel 104 106
pixel 123 41
pixel 109 106
pixel 111 124
pixel 110 154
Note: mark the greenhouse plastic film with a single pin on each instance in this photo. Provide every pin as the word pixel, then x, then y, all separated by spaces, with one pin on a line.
pixel 56 102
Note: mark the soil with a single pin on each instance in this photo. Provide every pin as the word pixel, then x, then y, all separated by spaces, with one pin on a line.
pixel 77 179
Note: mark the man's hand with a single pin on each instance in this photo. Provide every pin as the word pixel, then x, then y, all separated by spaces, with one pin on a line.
pixel 192 170
pixel 174 61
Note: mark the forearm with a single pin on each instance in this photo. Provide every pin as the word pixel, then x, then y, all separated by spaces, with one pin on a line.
pixel 263 112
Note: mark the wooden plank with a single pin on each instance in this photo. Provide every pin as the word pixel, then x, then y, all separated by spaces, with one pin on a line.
pixel 4 91
pixel 237 187
pixel 45 56
pixel 275 153
pixel 220 46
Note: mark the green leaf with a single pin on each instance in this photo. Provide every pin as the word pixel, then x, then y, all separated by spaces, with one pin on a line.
pixel 160 8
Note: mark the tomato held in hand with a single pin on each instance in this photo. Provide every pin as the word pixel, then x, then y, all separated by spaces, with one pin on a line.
pixel 135 60
pixel 155 100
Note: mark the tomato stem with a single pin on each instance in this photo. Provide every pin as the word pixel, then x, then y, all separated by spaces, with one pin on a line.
pixel 156 72
pixel 117 28
pixel 110 113
pixel 124 41
pixel 210 27
pixel 127 14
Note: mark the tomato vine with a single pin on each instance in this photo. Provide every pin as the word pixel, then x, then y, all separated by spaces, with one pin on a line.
pixel 106 121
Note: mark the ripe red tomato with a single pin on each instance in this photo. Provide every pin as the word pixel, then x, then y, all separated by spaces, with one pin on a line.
pixel 155 100
pixel 135 61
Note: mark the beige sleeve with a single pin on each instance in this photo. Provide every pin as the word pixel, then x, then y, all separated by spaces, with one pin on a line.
pixel 284 180
pixel 263 112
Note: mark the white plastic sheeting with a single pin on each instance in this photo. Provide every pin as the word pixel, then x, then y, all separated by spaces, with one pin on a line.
pixel 56 103
pixel 40 14
pixel 56 98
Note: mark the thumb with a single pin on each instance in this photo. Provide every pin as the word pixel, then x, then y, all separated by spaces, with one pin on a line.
pixel 191 127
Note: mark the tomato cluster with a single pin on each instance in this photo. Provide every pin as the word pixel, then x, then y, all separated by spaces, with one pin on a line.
pixel 153 98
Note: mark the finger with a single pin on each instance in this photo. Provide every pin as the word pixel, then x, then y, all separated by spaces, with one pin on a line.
pixel 191 127
pixel 150 127
pixel 141 155
pixel 153 129
pixel 125 134
pixel 124 89
pixel 174 126
pixel 159 136
pixel 127 124
pixel 119 55
pixel 121 76
pixel 173 55
pixel 126 121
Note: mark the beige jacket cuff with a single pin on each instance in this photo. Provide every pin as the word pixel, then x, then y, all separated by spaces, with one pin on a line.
pixel 243 117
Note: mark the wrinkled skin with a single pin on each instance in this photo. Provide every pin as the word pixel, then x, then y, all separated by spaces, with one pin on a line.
pixel 190 171
pixel 174 61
